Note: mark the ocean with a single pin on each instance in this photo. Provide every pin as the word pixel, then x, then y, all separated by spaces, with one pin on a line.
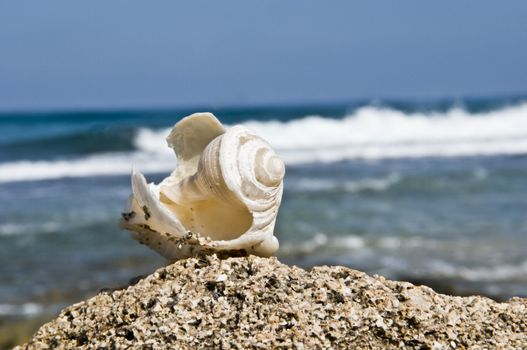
pixel 433 192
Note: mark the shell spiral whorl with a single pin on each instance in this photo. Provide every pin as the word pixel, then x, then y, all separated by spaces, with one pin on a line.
pixel 270 169
pixel 250 168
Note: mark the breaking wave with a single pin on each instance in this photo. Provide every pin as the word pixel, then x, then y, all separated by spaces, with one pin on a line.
pixel 309 184
pixel 370 133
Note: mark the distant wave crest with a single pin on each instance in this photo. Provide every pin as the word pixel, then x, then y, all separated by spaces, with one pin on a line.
pixel 368 133
pixel 309 184
pixel 377 133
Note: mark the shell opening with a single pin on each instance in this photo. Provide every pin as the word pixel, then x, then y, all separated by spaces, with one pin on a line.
pixel 212 218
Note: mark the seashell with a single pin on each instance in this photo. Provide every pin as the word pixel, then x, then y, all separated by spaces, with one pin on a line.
pixel 223 195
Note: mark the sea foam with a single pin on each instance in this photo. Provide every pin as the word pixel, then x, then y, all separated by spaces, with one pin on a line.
pixel 370 133
pixel 377 133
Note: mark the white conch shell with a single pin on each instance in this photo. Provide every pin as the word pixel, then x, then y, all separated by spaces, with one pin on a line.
pixel 224 194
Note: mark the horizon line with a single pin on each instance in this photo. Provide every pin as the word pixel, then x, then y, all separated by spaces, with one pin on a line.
pixel 264 105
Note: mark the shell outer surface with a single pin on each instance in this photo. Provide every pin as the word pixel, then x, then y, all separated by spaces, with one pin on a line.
pixel 223 195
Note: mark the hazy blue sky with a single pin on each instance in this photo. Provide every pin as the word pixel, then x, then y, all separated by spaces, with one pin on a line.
pixel 72 54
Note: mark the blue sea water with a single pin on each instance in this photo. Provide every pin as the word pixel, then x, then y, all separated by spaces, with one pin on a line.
pixel 433 192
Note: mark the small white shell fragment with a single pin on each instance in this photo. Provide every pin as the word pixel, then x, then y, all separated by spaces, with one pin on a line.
pixel 221 278
pixel 223 195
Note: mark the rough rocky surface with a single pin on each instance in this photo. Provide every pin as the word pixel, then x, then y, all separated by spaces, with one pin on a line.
pixel 257 303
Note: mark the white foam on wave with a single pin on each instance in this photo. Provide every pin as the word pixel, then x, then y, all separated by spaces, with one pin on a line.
pixel 368 133
pixel 9 229
pixel 27 309
pixel 97 165
pixel 350 186
pixel 502 272
pixel 321 241
pixel 390 255
pixel 377 133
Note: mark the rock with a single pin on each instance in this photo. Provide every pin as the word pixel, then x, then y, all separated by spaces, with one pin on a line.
pixel 259 303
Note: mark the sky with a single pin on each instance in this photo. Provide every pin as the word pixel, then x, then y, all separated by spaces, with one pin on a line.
pixel 131 54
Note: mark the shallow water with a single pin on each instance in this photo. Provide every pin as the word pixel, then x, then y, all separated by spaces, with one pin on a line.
pixel 431 193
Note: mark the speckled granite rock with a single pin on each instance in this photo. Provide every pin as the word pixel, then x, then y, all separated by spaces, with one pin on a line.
pixel 257 303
